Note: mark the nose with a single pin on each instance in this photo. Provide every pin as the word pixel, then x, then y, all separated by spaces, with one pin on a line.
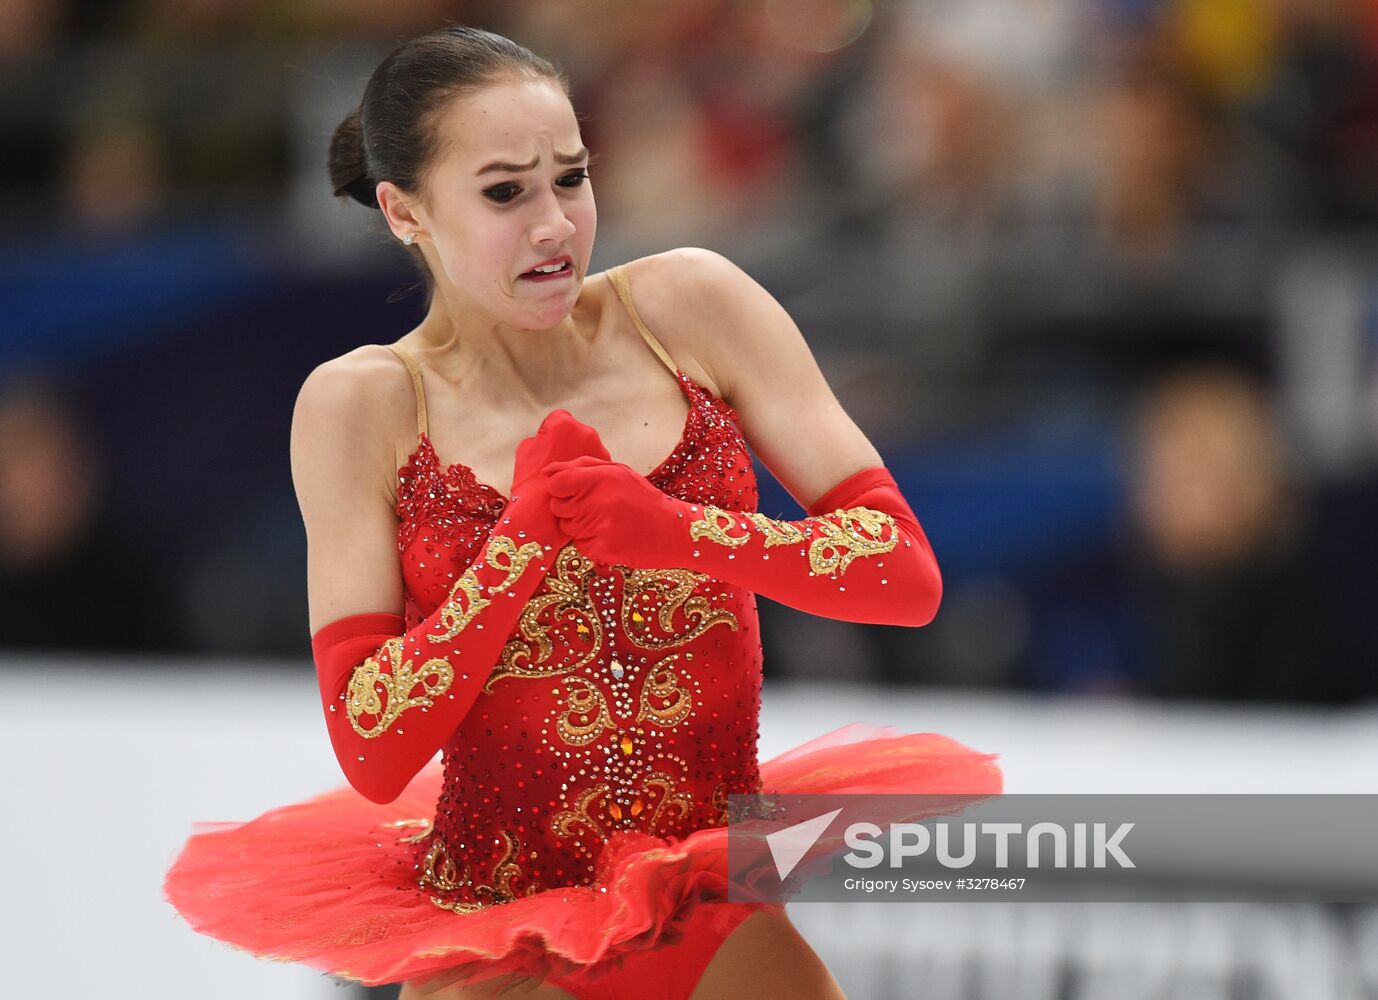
pixel 551 225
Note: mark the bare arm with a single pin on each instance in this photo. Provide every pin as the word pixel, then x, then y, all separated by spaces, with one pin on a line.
pixel 340 469
pixel 373 673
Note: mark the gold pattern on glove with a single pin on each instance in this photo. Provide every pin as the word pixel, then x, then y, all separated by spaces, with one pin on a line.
pixel 842 536
pixel 362 697
pixel 502 553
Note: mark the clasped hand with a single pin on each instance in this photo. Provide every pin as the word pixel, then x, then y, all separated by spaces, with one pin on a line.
pixel 611 513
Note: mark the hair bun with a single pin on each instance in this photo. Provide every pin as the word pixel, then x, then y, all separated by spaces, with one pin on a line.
pixel 349 176
pixel 362 189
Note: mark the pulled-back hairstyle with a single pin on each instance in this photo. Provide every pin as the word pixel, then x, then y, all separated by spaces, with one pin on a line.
pixel 393 135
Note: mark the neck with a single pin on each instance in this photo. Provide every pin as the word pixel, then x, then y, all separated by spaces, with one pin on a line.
pixel 471 349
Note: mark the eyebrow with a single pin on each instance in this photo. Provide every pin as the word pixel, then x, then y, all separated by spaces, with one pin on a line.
pixel 516 168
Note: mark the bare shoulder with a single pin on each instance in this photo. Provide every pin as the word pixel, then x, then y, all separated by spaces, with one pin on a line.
pixel 349 417
pixel 369 376
pixel 696 301
pixel 760 362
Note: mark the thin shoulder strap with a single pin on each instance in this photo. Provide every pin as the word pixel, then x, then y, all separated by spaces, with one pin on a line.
pixel 415 371
pixel 618 276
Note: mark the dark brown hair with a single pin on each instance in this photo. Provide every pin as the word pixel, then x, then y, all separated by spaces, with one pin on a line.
pixel 393 135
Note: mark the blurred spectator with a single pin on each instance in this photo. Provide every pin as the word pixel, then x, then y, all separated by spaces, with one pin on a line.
pixel 69 578
pixel 1209 594
pixel 695 109
pixel 27 27
pixel 1224 536
pixel 937 128
pixel 113 179
pixel 1154 143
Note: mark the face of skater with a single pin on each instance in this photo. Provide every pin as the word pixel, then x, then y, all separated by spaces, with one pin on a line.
pixel 507 190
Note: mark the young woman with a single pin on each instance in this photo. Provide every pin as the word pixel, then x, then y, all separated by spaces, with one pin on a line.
pixel 581 644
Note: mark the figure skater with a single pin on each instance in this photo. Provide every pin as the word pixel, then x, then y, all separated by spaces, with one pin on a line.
pixel 581 646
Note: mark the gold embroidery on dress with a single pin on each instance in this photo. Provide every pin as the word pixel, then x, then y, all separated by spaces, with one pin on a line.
pixel 588 703
pixel 426 829
pixel 565 822
pixel 640 808
pixel 501 553
pixel 720 804
pixel 858 531
pixel 680 802
pixel 362 696
pixel 565 592
pixel 438 869
pixel 676 586
pixel 663 685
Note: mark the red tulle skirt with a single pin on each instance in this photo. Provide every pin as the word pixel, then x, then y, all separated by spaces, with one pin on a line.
pixel 329 882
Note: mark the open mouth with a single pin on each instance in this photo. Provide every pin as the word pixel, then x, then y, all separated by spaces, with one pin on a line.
pixel 549 271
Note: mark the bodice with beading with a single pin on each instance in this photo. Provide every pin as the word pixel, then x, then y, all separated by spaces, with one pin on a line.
pixel 624 700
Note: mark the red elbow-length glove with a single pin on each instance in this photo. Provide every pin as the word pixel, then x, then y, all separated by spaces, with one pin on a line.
pixel 393 697
pixel 860 556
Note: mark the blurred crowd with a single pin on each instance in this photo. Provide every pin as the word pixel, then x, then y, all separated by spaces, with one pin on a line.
pixel 1138 117
pixel 1079 239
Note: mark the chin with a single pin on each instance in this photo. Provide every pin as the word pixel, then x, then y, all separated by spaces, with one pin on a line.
pixel 548 315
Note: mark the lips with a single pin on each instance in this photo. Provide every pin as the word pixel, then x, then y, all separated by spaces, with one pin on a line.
pixel 566 266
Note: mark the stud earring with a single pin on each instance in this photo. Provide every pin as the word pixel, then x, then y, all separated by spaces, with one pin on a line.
pixel 407 240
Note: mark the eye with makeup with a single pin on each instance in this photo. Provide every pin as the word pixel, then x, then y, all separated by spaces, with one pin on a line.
pixel 506 191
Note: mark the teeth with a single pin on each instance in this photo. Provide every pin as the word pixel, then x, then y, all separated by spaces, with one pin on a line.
pixel 549 268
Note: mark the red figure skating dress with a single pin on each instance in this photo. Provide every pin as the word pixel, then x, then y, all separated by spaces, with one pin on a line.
pixel 574 827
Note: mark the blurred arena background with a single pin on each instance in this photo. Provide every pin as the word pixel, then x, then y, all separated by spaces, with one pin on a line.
pixel 1098 277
